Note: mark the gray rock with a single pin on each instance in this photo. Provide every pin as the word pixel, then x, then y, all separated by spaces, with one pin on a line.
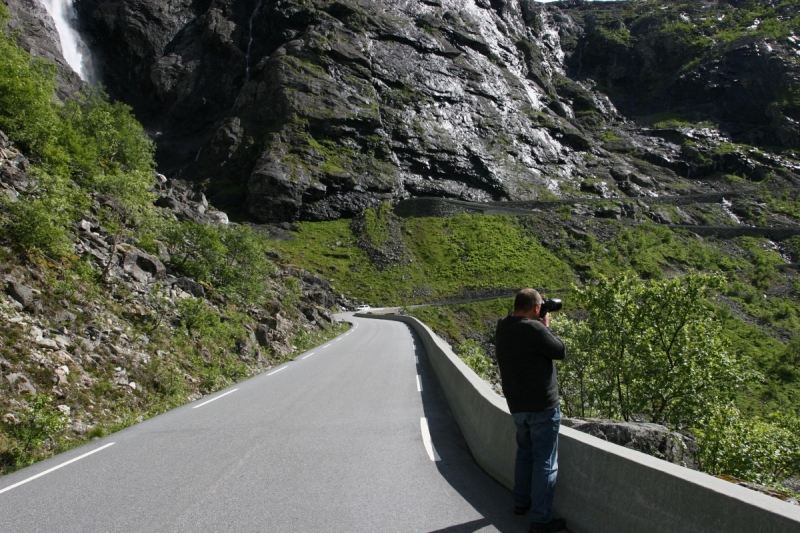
pixel 629 188
pixel 50 344
pixel 652 439
pixel 21 383
pixel 263 335
pixel 576 233
pixel 613 211
pixel 64 316
pixel 191 286
pixel 163 251
pixel 21 293
pixel 661 216
pixel 270 321
pixel 138 260
pixel 61 373
pixel 200 198
pixel 221 218
pixel 643 181
pixel 244 350
pixel 620 173
pixel 121 376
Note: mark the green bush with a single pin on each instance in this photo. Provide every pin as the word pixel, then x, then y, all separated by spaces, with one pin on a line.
pixel 36 426
pixel 653 349
pixel 36 225
pixel 471 352
pixel 766 451
pixel 233 259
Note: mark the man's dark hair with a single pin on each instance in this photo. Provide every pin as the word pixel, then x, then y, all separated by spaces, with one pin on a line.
pixel 526 299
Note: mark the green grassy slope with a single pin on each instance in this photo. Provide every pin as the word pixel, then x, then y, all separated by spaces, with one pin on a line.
pixel 447 257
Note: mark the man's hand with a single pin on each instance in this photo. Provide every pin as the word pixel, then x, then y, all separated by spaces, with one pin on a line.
pixel 545 320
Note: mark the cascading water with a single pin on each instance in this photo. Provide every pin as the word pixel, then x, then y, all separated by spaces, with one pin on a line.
pixel 726 206
pixel 65 16
pixel 250 41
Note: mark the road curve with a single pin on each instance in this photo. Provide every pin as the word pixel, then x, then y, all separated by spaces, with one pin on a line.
pixel 332 441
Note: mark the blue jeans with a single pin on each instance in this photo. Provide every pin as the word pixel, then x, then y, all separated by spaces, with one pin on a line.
pixel 537 462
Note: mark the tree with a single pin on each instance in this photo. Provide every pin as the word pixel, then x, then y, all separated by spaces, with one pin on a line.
pixel 647 349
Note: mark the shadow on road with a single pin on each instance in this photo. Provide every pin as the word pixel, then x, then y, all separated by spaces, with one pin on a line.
pixel 489 498
pixel 466 527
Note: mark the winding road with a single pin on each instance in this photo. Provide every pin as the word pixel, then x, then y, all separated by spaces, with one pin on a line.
pixel 351 436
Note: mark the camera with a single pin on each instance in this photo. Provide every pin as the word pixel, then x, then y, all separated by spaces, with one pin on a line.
pixel 549 306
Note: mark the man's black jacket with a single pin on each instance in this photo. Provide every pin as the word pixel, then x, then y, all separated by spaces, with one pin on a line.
pixel 525 352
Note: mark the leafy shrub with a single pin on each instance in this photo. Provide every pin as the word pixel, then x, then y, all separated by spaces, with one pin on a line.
pixel 36 225
pixel 37 424
pixel 231 258
pixel 762 450
pixel 648 349
pixel 471 352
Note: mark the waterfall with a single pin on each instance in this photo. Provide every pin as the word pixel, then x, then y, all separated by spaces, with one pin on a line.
pixel 250 41
pixel 65 16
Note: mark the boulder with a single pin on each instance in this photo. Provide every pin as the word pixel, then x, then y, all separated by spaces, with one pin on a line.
pixel 191 286
pixel 64 316
pixel 138 260
pixel 21 293
pixel 598 187
pixel 61 373
pixel 21 383
pixel 620 173
pixel 611 211
pixel 263 335
pixel 643 181
pixel 652 439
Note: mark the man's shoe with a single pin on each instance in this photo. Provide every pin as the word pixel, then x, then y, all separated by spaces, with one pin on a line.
pixel 521 510
pixel 556 524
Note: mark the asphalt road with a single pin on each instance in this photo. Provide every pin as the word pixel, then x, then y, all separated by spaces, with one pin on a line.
pixel 332 441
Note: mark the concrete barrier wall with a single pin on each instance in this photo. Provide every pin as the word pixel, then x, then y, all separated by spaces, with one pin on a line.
pixel 602 487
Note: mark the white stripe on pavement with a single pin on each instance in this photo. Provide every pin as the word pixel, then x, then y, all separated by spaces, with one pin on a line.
pixel 419 384
pixel 309 355
pixel 217 398
pixel 15 485
pixel 426 440
pixel 275 372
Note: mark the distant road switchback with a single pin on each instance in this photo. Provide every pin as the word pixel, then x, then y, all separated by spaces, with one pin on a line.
pixel 352 436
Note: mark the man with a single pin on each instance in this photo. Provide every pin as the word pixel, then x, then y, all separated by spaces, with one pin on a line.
pixel 526 349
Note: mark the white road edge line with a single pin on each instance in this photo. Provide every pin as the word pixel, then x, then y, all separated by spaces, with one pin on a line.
pixel 426 440
pixel 326 345
pixel 416 358
pixel 309 355
pixel 419 384
pixel 337 340
pixel 15 485
pixel 275 372
pixel 216 398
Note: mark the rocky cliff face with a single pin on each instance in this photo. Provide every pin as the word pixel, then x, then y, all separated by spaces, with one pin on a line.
pixel 37 34
pixel 727 62
pixel 319 109
pixel 316 109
